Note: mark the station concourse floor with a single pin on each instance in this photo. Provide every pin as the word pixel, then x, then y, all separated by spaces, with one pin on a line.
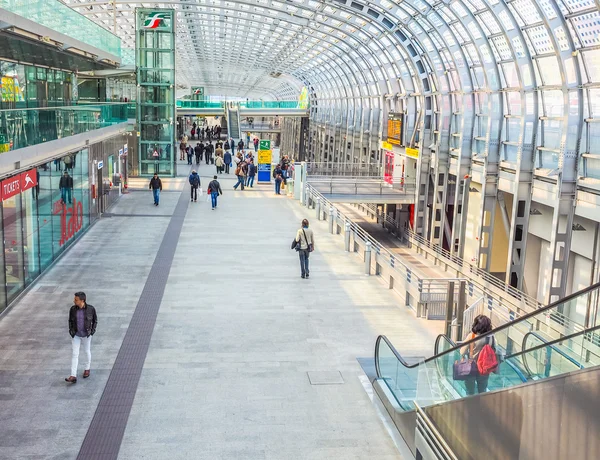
pixel 246 360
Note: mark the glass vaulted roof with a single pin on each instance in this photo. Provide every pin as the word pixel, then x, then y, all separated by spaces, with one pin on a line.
pixel 349 49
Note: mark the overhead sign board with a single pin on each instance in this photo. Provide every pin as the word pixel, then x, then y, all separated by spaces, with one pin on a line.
pixel 394 128
pixel 198 90
pixel 100 164
pixel 264 145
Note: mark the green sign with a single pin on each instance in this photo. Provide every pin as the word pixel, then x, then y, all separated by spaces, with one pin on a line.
pixel 198 90
pixel 265 145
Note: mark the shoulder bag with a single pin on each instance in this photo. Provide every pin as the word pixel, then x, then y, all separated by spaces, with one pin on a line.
pixel 308 245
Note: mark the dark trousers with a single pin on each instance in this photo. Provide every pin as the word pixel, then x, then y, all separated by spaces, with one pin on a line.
pixel 278 187
pixel 227 168
pixel 207 159
pixel 194 193
pixel 482 382
pixel 303 254
pixel 197 159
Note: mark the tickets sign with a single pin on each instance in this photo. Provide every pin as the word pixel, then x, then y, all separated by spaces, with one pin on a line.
pixel 14 185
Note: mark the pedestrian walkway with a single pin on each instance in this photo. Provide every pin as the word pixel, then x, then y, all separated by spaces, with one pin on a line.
pixel 416 262
pixel 246 359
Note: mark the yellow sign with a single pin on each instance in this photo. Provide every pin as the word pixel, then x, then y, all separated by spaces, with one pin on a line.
pixel 386 145
pixel 413 153
pixel 264 157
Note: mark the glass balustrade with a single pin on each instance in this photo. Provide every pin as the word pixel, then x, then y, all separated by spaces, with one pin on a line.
pixel 528 349
pixel 26 127
pixel 59 17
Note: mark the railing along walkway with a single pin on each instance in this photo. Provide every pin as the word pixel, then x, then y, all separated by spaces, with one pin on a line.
pixel 427 296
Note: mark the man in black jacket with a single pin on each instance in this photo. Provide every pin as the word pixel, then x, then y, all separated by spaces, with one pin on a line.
pixel 156 187
pixel 82 326
pixel 198 151
pixel 214 189
pixel 66 186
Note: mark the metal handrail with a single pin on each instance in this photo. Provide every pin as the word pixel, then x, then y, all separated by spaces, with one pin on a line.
pixel 492 332
pixel 557 350
pixel 474 269
pixel 429 429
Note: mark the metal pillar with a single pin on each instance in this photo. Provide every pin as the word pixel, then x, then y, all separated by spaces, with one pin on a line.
pixel 331 218
pixel 368 258
pixel 318 208
pixel 449 308
pixel 347 236
pixel 460 310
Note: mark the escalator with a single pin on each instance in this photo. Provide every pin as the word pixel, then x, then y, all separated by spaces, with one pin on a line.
pixel 529 349
pixel 233 123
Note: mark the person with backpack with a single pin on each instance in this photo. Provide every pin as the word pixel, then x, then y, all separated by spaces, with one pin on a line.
pixel 251 174
pixel 482 352
pixel 214 190
pixel 305 244
pixel 240 172
pixel 195 183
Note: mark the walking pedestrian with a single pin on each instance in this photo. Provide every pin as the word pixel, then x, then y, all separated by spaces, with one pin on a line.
pixel 194 180
pixel 190 154
pixel 239 172
pixel 219 163
pixel 214 189
pixel 156 187
pixel 82 326
pixel 181 150
pixel 208 152
pixel 251 174
pixel 198 152
pixel 227 160
pixel 256 144
pixel 240 145
pixel 306 242
pixel 66 187
pixel 278 175
pixel 232 144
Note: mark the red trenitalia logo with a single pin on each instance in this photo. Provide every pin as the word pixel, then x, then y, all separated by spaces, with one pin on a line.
pixel 71 219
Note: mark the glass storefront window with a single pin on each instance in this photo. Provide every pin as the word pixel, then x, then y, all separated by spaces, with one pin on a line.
pixel 13 246
pixel 82 162
pixel 31 248
pixel 44 202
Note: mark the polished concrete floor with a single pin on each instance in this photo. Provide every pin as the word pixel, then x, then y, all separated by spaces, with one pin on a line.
pixel 246 360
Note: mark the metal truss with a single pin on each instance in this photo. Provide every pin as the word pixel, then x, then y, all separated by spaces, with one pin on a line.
pixel 488 88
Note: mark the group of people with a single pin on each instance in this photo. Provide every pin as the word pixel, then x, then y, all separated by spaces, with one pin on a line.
pixel 208 132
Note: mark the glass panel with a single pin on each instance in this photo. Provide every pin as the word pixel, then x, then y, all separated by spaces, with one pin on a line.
pixel 61 18
pixel 13 246
pixel 44 203
pixel 30 232
pixel 23 128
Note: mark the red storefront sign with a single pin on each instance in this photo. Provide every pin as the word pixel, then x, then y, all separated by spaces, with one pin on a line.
pixel 10 187
pixel 28 179
pixel 71 219
pixel 17 184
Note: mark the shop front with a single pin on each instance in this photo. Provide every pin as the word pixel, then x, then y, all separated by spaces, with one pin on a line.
pixel 46 208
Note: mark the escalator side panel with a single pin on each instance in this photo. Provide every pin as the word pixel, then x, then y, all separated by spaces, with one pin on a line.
pixel 550 419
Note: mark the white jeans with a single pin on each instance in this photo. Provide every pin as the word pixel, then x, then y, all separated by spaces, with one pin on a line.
pixel 77 341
